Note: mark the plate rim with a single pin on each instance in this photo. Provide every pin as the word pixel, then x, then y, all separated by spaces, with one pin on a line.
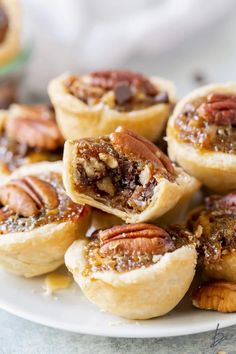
pixel 35 318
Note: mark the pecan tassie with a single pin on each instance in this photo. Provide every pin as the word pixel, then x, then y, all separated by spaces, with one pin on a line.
pixel 30 133
pixel 121 169
pixel 31 201
pixel 214 225
pixel 219 296
pixel 122 90
pixel 4 23
pixel 209 123
pixel 126 247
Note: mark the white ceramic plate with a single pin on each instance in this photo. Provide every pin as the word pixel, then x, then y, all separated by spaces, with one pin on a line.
pixel 69 310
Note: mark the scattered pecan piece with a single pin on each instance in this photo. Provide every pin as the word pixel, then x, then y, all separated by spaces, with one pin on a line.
pixel 34 126
pixel 219 109
pixel 28 195
pixel 218 296
pixel 228 201
pixel 108 79
pixel 4 23
pixel 135 239
pixel 134 144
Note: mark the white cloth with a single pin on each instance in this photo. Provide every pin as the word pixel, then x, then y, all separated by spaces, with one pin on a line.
pixel 83 35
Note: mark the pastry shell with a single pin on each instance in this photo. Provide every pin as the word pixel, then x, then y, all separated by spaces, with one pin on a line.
pixel 78 120
pixel 224 269
pixel 42 249
pixel 165 196
pixel 138 294
pixel 216 170
pixel 10 46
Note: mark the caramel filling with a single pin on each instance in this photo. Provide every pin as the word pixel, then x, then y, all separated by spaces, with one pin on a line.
pixel 122 91
pixel 66 210
pixel 214 229
pixel 141 251
pixel 4 24
pixel 114 177
pixel 208 123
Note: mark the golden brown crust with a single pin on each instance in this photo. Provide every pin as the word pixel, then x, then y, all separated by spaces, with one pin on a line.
pixel 215 170
pixel 138 294
pixel 19 251
pixel 10 47
pixel 77 120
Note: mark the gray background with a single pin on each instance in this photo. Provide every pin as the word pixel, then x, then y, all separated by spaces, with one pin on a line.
pixel 212 52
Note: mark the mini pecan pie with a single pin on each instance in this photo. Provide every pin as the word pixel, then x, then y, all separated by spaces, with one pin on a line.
pixel 137 271
pixel 28 134
pixel 214 226
pixel 97 103
pixel 124 174
pixel 38 221
pixel 10 23
pixel 202 135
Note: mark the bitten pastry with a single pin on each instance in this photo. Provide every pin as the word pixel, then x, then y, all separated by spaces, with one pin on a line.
pixel 202 135
pixel 97 103
pixel 136 271
pixel 10 24
pixel 28 134
pixel 214 225
pixel 38 221
pixel 124 174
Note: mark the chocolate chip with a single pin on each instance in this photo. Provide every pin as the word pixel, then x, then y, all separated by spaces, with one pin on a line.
pixel 162 97
pixel 123 93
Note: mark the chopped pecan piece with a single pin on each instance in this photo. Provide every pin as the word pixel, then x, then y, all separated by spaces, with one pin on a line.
pixel 219 109
pixel 218 296
pixel 135 239
pixel 28 196
pixel 34 126
pixel 4 23
pixel 108 80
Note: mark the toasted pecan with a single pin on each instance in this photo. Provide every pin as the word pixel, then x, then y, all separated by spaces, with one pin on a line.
pixel 28 196
pixel 34 126
pixel 135 239
pixel 219 109
pixel 219 296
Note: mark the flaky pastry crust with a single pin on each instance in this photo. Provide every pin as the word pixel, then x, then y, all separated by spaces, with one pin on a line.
pixel 216 170
pixel 77 120
pixel 138 294
pixel 42 249
pixel 10 46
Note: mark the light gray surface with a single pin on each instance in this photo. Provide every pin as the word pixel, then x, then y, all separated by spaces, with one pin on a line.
pixel 214 53
pixel 18 336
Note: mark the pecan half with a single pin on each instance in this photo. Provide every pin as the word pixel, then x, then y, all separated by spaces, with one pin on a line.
pixel 219 109
pixel 109 79
pixel 28 196
pixel 135 239
pixel 136 145
pixel 218 296
pixel 34 126
pixel 228 201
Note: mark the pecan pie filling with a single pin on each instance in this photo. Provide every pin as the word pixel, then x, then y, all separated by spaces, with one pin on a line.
pixel 31 202
pixel 209 123
pixel 4 23
pixel 32 135
pixel 126 247
pixel 215 227
pixel 121 169
pixel 123 91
